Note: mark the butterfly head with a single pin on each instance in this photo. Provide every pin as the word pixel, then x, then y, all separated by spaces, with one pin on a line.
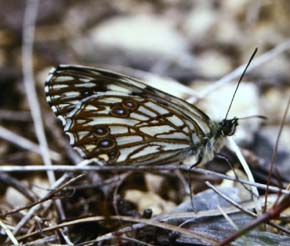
pixel 215 140
pixel 227 127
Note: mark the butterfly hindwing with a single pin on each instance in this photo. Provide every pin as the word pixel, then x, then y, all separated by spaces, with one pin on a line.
pixel 122 120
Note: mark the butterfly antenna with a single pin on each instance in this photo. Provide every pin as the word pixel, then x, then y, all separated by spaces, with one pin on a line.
pixel 262 117
pixel 242 76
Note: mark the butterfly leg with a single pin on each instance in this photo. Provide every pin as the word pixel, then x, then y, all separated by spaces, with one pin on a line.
pixel 223 157
pixel 198 161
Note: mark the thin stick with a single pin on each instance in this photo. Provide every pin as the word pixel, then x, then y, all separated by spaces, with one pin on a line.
pixel 21 187
pixel 274 153
pixel 48 196
pixel 29 20
pixel 28 80
pixel 272 213
pixel 235 204
pixel 33 211
pixel 24 143
pixel 66 168
pixel 228 218
pixel 241 208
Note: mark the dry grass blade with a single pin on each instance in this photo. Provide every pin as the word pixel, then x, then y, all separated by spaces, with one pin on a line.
pixel 9 233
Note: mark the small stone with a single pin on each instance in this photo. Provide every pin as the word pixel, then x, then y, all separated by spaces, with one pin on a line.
pixel 12 196
pixel 200 24
pixel 140 34
pixel 213 64
pixel 145 200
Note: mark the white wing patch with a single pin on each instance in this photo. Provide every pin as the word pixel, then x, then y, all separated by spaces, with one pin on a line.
pixel 157 108
pixel 110 100
pixel 147 111
pixel 118 130
pixel 175 120
pixel 111 120
pixel 155 130
pixel 139 117
pixel 175 135
pixel 119 89
pixel 146 151
pixel 128 139
pixel 64 79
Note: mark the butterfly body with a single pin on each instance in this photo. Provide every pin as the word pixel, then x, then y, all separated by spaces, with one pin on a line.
pixel 123 121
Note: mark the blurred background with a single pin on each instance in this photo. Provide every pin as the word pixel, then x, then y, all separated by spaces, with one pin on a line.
pixel 169 44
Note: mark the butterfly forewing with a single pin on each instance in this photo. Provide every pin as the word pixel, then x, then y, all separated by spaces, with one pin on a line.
pixel 121 120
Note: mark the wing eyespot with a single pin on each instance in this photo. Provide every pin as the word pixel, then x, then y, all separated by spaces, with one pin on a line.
pixel 101 131
pixel 119 111
pixel 130 104
pixel 106 143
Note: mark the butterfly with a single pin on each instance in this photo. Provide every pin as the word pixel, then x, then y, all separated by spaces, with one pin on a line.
pixel 122 121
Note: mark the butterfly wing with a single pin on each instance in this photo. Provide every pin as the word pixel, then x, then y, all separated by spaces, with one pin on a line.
pixel 121 120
